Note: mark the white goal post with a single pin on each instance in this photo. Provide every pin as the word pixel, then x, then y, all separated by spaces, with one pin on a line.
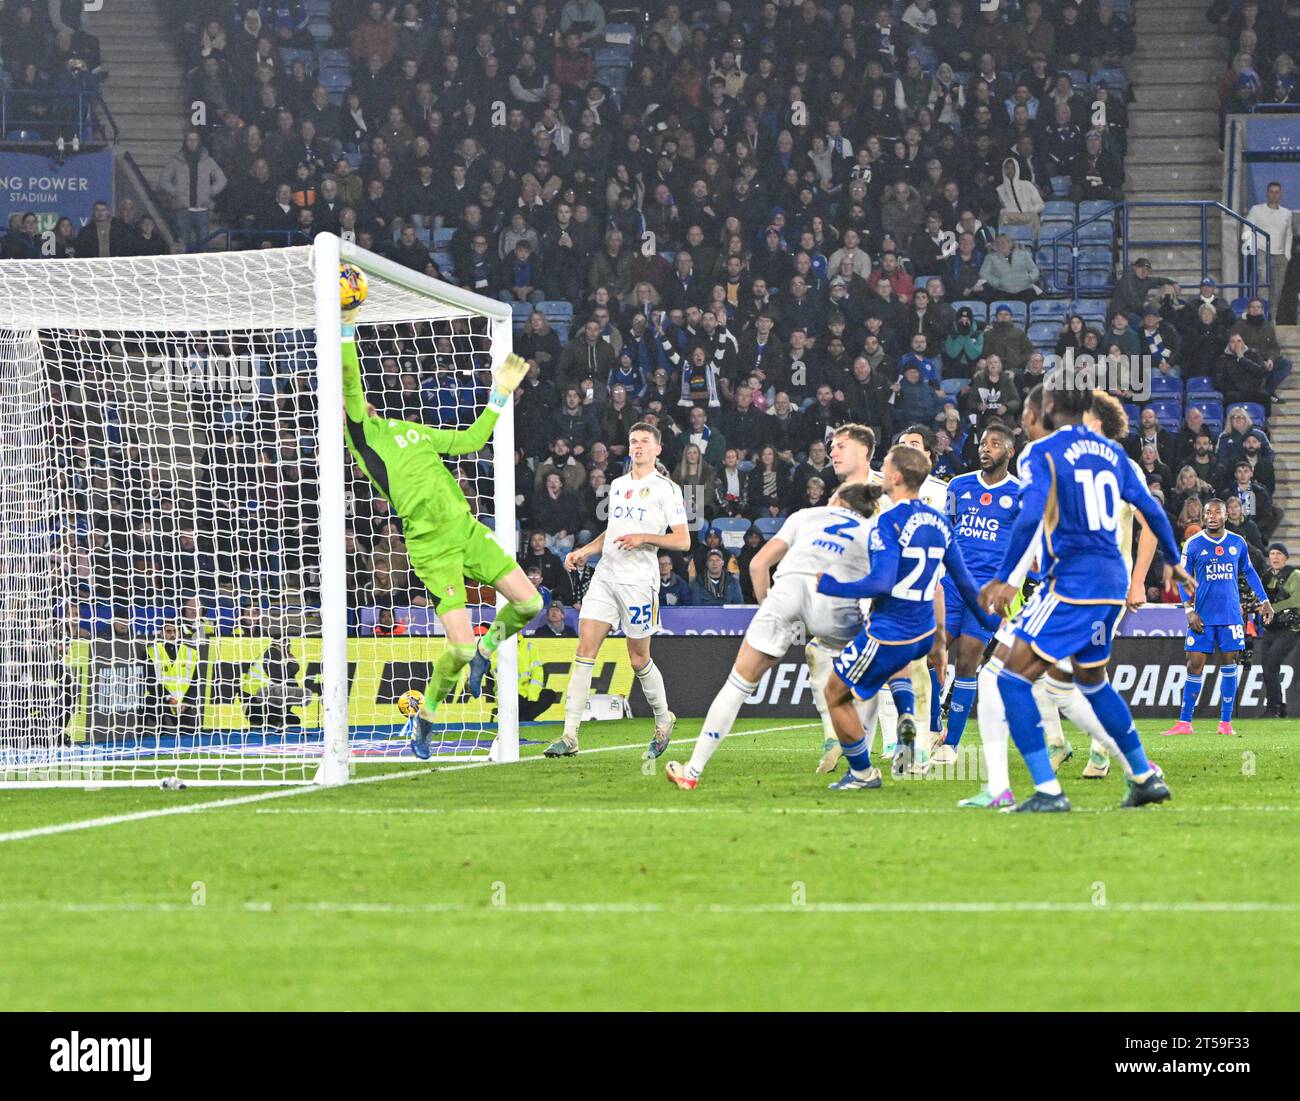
pixel 196 582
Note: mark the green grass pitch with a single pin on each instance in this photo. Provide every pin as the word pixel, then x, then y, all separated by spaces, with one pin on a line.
pixel 588 883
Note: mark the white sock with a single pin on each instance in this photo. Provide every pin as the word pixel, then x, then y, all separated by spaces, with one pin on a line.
pixel 994 732
pixel 652 684
pixel 888 715
pixel 820 660
pixel 1051 718
pixel 1074 705
pixel 575 696
pixel 719 721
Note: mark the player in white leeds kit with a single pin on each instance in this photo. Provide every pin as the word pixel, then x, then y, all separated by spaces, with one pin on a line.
pixel 832 539
pixel 646 515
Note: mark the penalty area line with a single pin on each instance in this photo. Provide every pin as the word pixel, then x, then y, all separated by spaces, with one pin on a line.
pixel 309 789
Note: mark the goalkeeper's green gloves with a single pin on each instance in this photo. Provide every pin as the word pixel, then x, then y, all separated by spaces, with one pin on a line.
pixel 506 377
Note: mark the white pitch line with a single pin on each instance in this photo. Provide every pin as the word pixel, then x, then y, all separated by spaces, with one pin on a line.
pixel 728 810
pixel 308 789
pixel 954 907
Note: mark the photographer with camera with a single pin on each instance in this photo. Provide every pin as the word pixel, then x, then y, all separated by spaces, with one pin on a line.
pixel 1282 584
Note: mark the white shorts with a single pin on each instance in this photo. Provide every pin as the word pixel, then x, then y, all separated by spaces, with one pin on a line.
pixel 632 608
pixel 794 609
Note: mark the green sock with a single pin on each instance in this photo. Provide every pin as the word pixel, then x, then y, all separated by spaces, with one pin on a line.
pixel 510 620
pixel 446 672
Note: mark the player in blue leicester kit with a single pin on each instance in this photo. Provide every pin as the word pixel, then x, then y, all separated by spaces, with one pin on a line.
pixel 1217 559
pixel 982 508
pixel 1074 483
pixel 910 546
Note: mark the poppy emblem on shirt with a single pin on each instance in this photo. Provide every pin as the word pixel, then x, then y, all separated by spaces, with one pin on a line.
pixel 1218 551
pixel 986 498
pixel 628 495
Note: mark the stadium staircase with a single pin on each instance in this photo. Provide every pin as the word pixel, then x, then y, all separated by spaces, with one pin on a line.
pixel 1284 431
pixel 146 84
pixel 1173 132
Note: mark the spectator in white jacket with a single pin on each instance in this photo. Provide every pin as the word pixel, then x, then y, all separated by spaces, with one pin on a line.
pixel 1021 202
pixel 190 182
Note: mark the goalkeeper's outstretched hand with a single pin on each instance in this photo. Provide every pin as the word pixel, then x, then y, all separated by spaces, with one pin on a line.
pixel 352 315
pixel 508 374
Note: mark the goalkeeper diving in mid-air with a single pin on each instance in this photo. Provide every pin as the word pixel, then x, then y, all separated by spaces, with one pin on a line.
pixel 446 544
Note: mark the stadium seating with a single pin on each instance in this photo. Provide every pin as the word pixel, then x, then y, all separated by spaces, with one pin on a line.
pixel 733 530
pixel 1212 411
pixel 768 526
pixel 1169 414
pixel 1019 311
pixel 1166 386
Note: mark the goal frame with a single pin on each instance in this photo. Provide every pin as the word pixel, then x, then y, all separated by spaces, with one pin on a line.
pixel 336 766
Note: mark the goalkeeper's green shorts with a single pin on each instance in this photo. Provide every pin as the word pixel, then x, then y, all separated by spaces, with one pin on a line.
pixel 443 557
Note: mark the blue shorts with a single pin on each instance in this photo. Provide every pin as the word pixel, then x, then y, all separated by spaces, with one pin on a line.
pixel 1227 638
pixel 959 619
pixel 866 664
pixel 1057 630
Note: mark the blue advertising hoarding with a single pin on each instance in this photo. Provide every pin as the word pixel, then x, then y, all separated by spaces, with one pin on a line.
pixel 39 183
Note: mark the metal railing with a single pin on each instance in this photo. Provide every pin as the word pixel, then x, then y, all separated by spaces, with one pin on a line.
pixel 28 116
pixel 1130 247
pixel 255 238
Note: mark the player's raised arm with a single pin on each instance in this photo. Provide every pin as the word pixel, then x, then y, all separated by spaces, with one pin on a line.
pixel 881 579
pixel 465 441
pixel 761 565
pixel 354 394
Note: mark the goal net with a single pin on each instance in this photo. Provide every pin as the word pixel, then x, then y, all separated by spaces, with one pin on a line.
pixel 196 581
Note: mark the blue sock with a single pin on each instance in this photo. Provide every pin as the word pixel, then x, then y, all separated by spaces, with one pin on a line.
pixel 858 755
pixel 904 695
pixel 1113 713
pixel 1026 725
pixel 1191 690
pixel 1228 677
pixel 959 708
pixel 936 700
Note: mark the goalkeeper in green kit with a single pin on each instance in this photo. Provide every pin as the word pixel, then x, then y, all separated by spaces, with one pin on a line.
pixel 446 544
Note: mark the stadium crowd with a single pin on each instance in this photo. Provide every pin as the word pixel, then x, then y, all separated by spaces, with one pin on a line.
pixel 747 222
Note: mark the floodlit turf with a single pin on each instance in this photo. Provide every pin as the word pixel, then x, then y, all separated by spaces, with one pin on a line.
pixel 586 883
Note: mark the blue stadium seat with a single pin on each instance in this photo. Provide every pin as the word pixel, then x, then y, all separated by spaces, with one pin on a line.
pixel 442 237
pixel 1167 386
pixel 1089 309
pixel 1095 279
pixel 926 56
pixel 979 309
pixel 520 313
pixel 1201 384
pixel 1239 306
pixel 320 30
pixel 335 80
pixel 288 56
pixel 733 530
pixel 1059 208
pixel 1257 413
pixel 768 525
pixel 1053 226
pixel 1060 185
pixel 613 55
pixel 561 329
pixel 620 34
pixel 1116 79
pixel 614 77
pixel 1022 234
pixel 555 310
pixel 1169 414
pixel 334 59
pixel 1019 311
pixel 1042 334
pixel 1134 415
pixel 423 236
pixel 443 260
pixel 1212 411
pixel 1097 231
pixel 952 386
pixel 1052 310
pixel 1077 77
pixel 1096 256
pixel 1089 207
